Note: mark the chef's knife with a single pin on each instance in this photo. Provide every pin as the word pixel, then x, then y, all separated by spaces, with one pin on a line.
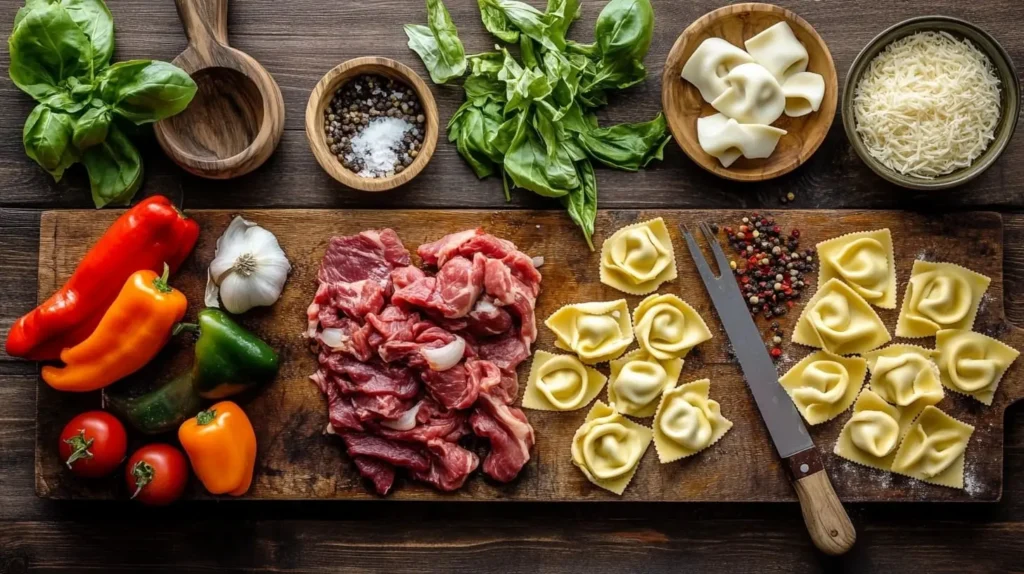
pixel 826 519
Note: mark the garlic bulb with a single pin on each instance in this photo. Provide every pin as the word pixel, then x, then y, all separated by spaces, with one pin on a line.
pixel 248 270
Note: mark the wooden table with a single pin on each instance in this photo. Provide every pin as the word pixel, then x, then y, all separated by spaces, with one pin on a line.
pixel 298 41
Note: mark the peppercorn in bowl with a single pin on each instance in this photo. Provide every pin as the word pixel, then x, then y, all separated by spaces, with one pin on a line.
pixel 372 123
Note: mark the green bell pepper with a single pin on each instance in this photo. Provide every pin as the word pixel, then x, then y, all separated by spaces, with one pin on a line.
pixel 229 359
pixel 160 410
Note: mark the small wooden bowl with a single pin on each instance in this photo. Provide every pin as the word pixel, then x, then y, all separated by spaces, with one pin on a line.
pixel 321 97
pixel 683 104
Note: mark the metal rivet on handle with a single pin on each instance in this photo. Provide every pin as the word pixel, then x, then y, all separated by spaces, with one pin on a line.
pixel 804 468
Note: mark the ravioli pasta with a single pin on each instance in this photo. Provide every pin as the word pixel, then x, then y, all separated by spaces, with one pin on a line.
pixel 728 140
pixel 778 50
pixel 687 421
pixel 754 96
pixel 865 262
pixel 934 448
pixel 638 258
pixel 638 380
pixel 667 327
pixel 840 321
pixel 824 385
pixel 872 434
pixel 560 383
pixel 905 376
pixel 608 448
pixel 972 364
pixel 597 332
pixel 940 296
pixel 804 92
pixel 710 63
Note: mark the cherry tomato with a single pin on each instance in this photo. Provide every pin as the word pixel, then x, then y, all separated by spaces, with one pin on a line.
pixel 93 444
pixel 156 474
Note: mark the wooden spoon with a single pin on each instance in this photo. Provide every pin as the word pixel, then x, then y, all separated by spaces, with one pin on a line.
pixel 235 120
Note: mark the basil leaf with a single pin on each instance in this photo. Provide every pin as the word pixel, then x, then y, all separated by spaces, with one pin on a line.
pixel 115 169
pixel 47 140
pixel 522 85
pixel 47 48
pixel 530 167
pixel 91 128
pixel 144 91
pixel 530 21
pixel 438 44
pixel 488 63
pixel 624 29
pixel 627 146
pixel 483 87
pixel 472 142
pixel 496 23
pixel 564 13
pixel 616 74
pixel 528 53
pixel 94 19
pixel 581 203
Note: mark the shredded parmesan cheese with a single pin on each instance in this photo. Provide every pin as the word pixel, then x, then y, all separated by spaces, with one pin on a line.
pixel 927 105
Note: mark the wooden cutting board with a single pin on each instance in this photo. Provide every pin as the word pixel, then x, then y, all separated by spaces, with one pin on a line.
pixel 296 461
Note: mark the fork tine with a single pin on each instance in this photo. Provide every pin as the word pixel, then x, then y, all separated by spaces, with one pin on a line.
pixel 723 261
pixel 698 257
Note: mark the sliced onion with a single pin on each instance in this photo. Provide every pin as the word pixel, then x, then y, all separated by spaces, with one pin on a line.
pixel 405 422
pixel 538 261
pixel 333 338
pixel 330 429
pixel 446 357
pixel 485 306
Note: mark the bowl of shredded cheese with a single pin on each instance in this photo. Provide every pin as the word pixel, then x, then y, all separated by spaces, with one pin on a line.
pixel 931 103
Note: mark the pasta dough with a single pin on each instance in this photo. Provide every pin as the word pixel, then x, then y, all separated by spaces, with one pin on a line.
pixel 872 434
pixel 638 258
pixel 865 262
pixel 940 296
pixel 840 321
pixel 638 380
pixel 904 375
pixel 754 96
pixel 687 422
pixel 933 450
pixel 824 385
pixel 971 363
pixel 710 63
pixel 560 383
pixel 777 49
pixel 608 448
pixel 667 328
pixel 727 140
pixel 804 92
pixel 597 332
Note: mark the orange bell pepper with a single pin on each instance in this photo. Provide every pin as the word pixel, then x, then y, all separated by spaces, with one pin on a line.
pixel 221 445
pixel 132 331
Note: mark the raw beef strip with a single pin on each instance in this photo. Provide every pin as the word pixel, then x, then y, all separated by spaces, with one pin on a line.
pixel 428 336
pixel 433 423
pixel 418 294
pixel 509 432
pixel 394 324
pixel 377 407
pixel 403 276
pixel 353 299
pixel 453 388
pixel 340 411
pixel 374 378
pixel 450 464
pixel 380 473
pixel 520 264
pixel 489 378
pixel 368 255
pixel 392 452
pixel 438 252
pixel 506 351
pixel 459 284
pixel 487 319
pixel 320 379
pixel 498 281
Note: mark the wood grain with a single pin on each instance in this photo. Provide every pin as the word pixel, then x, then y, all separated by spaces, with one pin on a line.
pixel 297 462
pixel 236 119
pixel 321 96
pixel 683 103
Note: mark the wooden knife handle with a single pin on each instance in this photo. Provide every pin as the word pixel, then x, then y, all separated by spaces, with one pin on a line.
pixel 826 519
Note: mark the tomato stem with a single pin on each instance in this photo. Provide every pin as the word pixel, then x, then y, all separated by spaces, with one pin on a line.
pixel 79 447
pixel 144 474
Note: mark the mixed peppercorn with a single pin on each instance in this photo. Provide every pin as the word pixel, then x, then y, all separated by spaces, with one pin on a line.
pixel 770 269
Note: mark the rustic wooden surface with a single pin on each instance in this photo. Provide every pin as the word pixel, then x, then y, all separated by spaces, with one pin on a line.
pixel 300 40
pixel 683 103
pixel 296 461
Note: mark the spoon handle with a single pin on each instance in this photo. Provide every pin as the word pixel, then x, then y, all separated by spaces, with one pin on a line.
pixel 205 22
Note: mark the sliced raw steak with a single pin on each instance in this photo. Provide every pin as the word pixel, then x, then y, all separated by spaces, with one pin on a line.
pixel 450 465
pixel 380 473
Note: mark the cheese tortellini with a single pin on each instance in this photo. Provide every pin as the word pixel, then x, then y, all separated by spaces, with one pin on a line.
pixel 687 422
pixel 779 51
pixel 560 383
pixel 934 448
pixel 971 363
pixel 865 262
pixel 608 448
pixel 710 63
pixel 754 96
pixel 727 140
pixel 667 327
pixel 940 296
pixel 840 321
pixel 597 332
pixel 904 375
pixel 872 434
pixel 638 258
pixel 638 380
pixel 824 385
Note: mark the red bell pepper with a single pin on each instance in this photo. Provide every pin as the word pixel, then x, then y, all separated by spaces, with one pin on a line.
pixel 148 235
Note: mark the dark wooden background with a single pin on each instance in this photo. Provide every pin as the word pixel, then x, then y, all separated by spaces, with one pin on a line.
pixel 299 40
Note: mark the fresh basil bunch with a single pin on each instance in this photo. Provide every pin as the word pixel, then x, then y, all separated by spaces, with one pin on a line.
pixel 532 120
pixel 60 55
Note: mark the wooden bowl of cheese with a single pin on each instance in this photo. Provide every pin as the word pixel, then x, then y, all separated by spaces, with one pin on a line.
pixel 731 29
